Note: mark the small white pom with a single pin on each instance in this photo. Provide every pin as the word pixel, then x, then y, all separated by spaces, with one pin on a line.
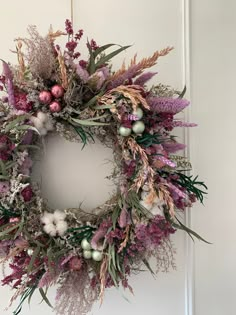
pixel 47 218
pixel 42 117
pixel 42 131
pixel 59 216
pixel 49 125
pixel 61 227
pixel 50 229
pixel 38 124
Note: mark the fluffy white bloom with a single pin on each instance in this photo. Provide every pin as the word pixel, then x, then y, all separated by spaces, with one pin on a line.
pixel 50 229
pixel 59 215
pixel 54 223
pixel 156 207
pixel 47 218
pixel 61 227
pixel 42 123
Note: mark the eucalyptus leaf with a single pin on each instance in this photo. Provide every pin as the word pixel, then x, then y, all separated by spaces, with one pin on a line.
pixel 91 65
pixel 13 123
pixel 3 168
pixel 104 107
pixel 181 95
pixel 89 122
pixel 44 296
pixel 106 58
pixel 34 256
pixel 101 49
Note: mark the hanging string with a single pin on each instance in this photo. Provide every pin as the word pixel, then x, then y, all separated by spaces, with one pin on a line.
pixel 72 12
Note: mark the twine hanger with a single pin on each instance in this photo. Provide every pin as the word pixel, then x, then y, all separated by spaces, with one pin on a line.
pixel 72 11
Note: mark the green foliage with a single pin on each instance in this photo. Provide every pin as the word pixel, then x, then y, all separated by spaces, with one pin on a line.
pixel 191 184
pixel 84 135
pixel 132 200
pixel 181 94
pixel 94 64
pixel 26 294
pixel 77 234
pixel 177 224
pixel 147 139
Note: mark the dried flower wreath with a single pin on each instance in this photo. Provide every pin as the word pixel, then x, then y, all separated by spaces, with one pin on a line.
pixel 54 90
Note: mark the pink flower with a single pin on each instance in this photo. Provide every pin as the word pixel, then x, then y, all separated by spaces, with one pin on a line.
pixel 69 28
pixel 6 147
pixel 79 35
pixel 83 63
pixel 27 193
pixel 71 45
pixel 26 166
pixel 4 188
pixel 21 102
pixel 75 263
pixel 93 45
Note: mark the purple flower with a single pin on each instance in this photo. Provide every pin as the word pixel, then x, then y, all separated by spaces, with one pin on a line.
pixel 69 28
pixel 100 233
pixel 71 45
pixel 27 193
pixel 154 232
pixel 4 188
pixel 167 105
pixel 82 73
pixel 93 45
pixel 21 102
pixel 7 73
pixel 6 147
pixel 27 139
pixel 79 35
pixel 144 78
pixel 124 218
pixel 172 147
pixel 178 123
pixel 26 166
pixel 124 77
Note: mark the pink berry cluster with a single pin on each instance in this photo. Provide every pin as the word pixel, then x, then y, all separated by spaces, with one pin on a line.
pixel 51 98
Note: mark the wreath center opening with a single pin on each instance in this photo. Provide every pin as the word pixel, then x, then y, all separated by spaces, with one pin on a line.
pixel 70 175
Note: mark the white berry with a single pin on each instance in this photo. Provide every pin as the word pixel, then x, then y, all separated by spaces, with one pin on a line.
pixel 124 132
pixel 97 256
pixel 138 113
pixel 87 254
pixel 138 127
pixel 85 244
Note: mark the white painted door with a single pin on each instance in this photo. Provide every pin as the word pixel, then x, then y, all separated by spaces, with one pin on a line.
pixel 213 148
pixel 202 34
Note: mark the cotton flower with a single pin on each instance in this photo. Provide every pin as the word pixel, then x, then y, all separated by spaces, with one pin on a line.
pixel 155 206
pixel 42 123
pixel 54 223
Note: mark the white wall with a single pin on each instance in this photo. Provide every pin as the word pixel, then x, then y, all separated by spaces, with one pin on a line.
pixel 151 25
pixel 213 51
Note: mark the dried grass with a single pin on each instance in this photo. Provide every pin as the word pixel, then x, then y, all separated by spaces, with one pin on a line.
pixel 143 64
pixel 40 55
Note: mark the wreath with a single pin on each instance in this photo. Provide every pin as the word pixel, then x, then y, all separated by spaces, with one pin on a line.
pixel 52 89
